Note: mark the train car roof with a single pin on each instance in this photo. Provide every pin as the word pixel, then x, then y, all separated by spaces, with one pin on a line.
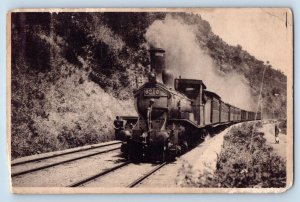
pixel 229 105
pixel 211 94
pixel 191 81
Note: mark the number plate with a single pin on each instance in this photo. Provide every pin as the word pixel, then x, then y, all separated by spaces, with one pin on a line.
pixel 151 92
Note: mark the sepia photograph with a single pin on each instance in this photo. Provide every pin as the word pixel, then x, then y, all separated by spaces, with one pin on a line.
pixel 157 100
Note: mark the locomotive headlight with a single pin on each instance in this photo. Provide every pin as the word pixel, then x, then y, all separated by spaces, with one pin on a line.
pixel 152 77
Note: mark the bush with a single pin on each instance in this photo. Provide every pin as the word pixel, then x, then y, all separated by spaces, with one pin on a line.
pixel 282 126
pixel 240 168
pixel 237 167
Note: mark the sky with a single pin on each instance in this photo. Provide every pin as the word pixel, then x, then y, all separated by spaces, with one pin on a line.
pixel 263 32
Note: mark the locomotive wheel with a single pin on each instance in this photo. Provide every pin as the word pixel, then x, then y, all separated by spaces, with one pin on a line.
pixel 164 152
pixel 164 156
pixel 167 155
pixel 184 147
pixel 204 133
pixel 124 150
pixel 135 152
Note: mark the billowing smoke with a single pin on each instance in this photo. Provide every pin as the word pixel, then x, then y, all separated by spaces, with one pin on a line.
pixel 185 57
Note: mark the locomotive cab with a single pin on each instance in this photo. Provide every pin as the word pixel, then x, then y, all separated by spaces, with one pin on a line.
pixel 193 89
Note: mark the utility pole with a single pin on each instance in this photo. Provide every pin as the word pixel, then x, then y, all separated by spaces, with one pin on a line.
pixel 261 108
pixel 276 94
pixel 257 106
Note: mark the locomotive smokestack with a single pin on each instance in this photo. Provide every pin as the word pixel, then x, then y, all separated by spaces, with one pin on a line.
pixel 157 62
pixel 158 67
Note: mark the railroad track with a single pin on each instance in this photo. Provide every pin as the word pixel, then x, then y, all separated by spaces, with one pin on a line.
pixel 102 173
pixel 110 170
pixel 15 164
pixel 145 176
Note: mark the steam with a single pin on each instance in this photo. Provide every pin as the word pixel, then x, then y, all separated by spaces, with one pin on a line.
pixel 185 57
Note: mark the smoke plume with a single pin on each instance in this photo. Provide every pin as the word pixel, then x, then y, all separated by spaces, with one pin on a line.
pixel 185 57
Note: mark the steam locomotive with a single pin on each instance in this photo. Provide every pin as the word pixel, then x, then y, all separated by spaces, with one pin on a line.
pixel 173 115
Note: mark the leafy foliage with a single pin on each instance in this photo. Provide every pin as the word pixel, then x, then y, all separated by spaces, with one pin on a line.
pixel 238 167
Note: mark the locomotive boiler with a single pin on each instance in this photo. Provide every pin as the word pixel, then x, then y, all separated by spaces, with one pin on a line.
pixel 173 114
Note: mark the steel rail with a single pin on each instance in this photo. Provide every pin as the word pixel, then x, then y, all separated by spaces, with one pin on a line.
pixel 62 154
pixel 85 180
pixel 60 162
pixel 139 180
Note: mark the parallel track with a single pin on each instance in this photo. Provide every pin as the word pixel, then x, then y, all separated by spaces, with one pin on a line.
pixel 62 154
pixel 109 170
pixel 145 176
pixel 61 162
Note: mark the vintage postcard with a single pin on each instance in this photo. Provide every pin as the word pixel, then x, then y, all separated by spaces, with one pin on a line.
pixel 194 100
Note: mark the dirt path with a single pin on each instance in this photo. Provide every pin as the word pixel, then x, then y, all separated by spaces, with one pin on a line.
pixel 269 130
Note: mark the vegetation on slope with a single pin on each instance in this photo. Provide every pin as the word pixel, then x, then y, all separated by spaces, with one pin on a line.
pixel 238 167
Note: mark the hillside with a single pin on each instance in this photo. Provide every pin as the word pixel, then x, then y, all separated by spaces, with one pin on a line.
pixel 72 73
